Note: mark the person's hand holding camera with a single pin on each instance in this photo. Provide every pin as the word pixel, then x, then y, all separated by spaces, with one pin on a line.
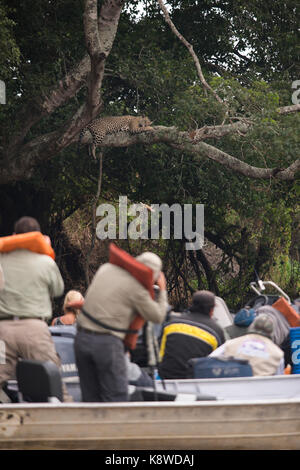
pixel 161 281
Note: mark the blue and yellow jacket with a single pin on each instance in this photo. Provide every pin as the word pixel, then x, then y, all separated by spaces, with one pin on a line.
pixel 184 337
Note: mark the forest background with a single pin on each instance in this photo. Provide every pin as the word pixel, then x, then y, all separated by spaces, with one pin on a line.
pixel 220 81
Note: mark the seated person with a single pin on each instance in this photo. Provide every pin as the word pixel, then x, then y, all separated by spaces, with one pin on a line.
pixel 257 347
pixel 192 334
pixel 136 375
pixel 70 313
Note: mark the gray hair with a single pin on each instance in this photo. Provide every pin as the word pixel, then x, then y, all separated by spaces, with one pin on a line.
pixel 281 327
pixel 262 325
pixel 152 261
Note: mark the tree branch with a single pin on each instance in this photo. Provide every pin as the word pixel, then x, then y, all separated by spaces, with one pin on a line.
pixel 92 40
pixel 289 109
pixel 100 31
pixel 203 149
pixel 95 203
pixel 181 140
pixel 191 51
pixel 99 34
pixel 67 87
pixel 216 132
pixel 45 147
pixel 18 163
pixel 45 105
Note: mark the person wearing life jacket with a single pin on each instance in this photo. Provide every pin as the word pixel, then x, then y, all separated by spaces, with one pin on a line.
pixel 70 313
pixel 111 303
pixel 32 279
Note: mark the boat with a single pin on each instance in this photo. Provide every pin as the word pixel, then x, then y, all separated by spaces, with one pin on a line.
pixel 250 423
pixel 240 413
pixel 234 413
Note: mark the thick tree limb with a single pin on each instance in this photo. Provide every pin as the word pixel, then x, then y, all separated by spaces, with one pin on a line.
pixel 182 141
pixel 45 147
pixel 45 105
pixel 90 21
pixel 92 40
pixel 239 166
pixel 18 163
pixel 100 34
pixel 289 109
pixel 73 81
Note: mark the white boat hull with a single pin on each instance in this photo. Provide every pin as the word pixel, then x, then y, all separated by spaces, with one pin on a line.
pixel 237 388
pixel 255 425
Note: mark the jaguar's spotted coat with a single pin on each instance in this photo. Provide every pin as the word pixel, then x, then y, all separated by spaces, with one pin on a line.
pixel 94 133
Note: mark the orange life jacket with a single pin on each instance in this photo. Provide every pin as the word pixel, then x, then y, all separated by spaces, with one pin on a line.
pixel 32 241
pixel 287 311
pixel 143 274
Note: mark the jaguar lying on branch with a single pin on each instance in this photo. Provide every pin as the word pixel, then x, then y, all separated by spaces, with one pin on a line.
pixel 94 133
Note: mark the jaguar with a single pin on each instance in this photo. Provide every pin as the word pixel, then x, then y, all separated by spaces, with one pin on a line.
pixel 94 133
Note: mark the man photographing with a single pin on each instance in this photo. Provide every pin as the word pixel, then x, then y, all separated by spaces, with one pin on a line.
pixel 31 281
pixel 112 301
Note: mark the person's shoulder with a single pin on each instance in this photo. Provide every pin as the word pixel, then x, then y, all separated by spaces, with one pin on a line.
pixel 273 345
pixel 220 330
pixel 105 266
pixel 109 267
pixel 213 325
pixel 193 318
pixel 44 259
pixel 198 317
pixel 174 317
pixel 112 270
pixel 28 256
pixel 43 263
pixel 114 274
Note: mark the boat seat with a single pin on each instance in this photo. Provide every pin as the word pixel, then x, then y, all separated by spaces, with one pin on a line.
pixel 219 367
pixel 39 381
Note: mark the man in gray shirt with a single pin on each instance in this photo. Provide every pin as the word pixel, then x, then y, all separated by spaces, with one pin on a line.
pixel 113 298
pixel 31 281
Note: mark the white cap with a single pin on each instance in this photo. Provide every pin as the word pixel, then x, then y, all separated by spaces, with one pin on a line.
pixel 152 261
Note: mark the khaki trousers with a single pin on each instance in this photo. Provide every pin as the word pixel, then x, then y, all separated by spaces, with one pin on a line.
pixel 25 339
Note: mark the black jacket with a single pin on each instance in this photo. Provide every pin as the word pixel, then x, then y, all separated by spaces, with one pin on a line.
pixel 184 337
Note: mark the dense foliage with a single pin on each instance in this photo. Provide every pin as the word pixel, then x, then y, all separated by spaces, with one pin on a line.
pixel 250 55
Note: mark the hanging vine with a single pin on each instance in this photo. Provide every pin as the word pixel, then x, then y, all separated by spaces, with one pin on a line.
pixel 94 209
